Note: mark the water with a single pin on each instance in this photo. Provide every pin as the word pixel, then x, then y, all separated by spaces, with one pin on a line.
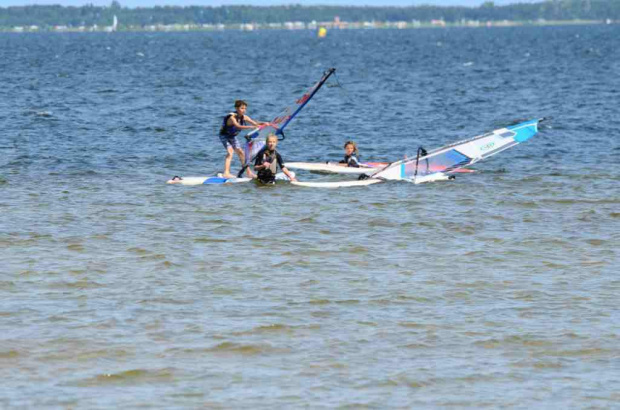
pixel 498 289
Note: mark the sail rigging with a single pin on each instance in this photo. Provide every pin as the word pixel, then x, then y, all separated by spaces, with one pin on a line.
pixel 256 138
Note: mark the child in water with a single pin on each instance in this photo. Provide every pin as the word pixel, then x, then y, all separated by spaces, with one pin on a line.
pixel 351 155
pixel 267 161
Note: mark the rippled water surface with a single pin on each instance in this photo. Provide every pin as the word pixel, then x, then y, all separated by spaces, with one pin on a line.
pixel 497 289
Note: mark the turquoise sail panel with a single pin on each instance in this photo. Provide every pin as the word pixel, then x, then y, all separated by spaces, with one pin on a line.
pixel 525 130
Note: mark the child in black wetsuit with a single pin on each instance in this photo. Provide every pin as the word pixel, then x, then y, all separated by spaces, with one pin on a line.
pixel 268 160
pixel 350 155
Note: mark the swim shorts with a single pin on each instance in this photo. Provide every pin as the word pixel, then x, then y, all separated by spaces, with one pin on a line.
pixel 229 142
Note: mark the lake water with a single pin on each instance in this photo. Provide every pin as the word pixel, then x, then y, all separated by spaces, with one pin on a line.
pixel 498 289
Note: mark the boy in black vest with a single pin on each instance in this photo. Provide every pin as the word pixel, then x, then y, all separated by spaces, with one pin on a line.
pixel 231 127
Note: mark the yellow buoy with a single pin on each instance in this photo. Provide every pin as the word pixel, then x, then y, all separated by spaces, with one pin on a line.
pixel 322 32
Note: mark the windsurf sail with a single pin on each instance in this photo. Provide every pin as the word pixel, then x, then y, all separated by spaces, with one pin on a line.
pixel 256 138
pixel 452 158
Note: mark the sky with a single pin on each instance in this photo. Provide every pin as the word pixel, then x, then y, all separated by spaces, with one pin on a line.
pixel 151 3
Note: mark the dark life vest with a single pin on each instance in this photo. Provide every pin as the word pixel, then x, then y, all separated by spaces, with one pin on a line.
pixel 231 130
pixel 268 175
pixel 351 160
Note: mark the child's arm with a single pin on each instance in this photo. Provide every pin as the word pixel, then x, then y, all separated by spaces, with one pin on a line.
pixel 254 123
pixel 239 126
pixel 288 174
pixel 283 168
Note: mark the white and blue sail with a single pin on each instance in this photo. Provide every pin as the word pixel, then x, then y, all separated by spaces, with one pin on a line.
pixel 454 157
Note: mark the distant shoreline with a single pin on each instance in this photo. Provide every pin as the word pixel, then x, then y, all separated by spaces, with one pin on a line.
pixel 115 17
pixel 303 26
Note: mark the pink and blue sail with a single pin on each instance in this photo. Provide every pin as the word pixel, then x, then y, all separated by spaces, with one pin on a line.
pixel 256 138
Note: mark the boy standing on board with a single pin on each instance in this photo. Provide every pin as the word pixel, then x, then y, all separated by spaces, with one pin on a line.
pixel 232 125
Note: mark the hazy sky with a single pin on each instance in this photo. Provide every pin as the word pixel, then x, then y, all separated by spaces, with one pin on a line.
pixel 150 3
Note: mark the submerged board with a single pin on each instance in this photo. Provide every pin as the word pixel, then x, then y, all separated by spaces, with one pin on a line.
pixel 337 184
pixel 336 168
pixel 218 180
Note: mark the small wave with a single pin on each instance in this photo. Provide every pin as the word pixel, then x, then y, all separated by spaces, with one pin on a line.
pixel 417 346
pixel 165 301
pixel 129 377
pixel 358 250
pixel 511 341
pixel 593 263
pixel 209 240
pixel 414 325
pixel 320 302
pixel 593 353
pixel 348 302
pixel 581 201
pixel 80 284
pixel 9 354
pixel 101 353
pixel 139 251
pixel 153 257
pixel 266 329
pixel 381 223
pixel 43 114
pixel 241 349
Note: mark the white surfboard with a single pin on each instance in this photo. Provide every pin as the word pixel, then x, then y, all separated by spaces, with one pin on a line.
pixel 335 168
pixel 337 184
pixel 218 180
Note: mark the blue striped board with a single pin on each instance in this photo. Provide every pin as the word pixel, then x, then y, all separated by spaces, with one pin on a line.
pixel 216 180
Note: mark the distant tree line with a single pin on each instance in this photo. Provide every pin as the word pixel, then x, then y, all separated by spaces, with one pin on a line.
pixel 89 15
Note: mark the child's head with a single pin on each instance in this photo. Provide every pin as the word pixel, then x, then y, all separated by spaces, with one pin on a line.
pixel 350 147
pixel 240 106
pixel 271 141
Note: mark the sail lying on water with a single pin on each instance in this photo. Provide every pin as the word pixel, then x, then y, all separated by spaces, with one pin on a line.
pixel 454 157
pixel 256 138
